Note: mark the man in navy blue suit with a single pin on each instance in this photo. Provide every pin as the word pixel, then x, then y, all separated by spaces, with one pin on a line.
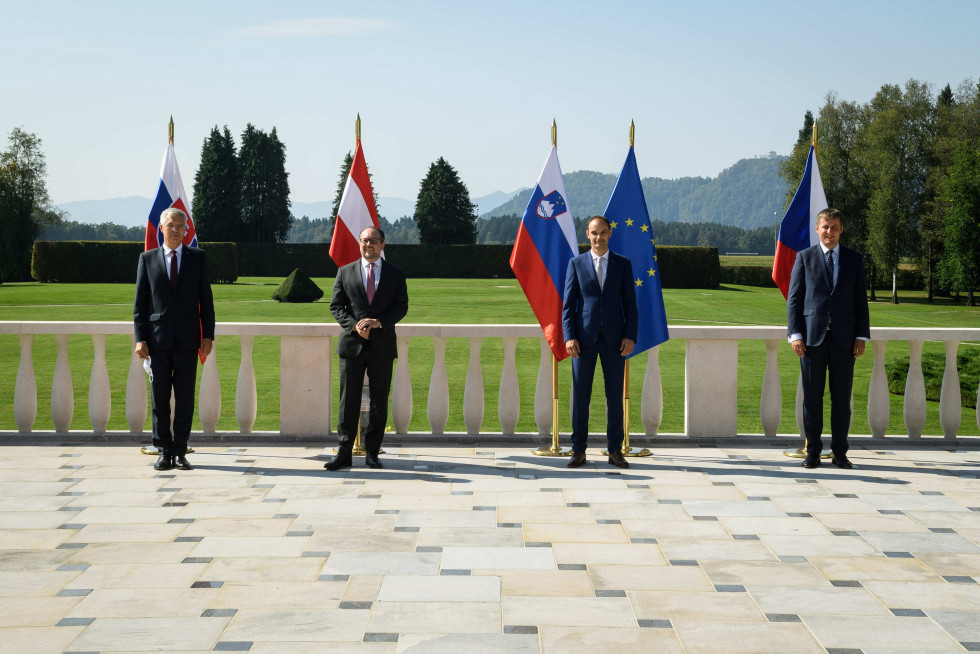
pixel 599 320
pixel 827 307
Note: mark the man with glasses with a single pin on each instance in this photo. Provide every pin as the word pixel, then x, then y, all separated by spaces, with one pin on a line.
pixel 369 297
pixel 174 318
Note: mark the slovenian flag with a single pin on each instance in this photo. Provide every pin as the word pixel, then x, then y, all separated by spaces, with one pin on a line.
pixel 632 237
pixel 545 242
pixel 169 194
pixel 355 214
pixel 797 230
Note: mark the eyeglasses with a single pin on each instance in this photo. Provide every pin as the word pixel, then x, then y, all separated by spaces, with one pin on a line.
pixel 370 241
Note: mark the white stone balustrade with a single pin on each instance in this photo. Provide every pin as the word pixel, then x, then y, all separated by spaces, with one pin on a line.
pixel 306 355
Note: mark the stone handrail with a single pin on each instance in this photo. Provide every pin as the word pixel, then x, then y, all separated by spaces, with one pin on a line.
pixel 306 359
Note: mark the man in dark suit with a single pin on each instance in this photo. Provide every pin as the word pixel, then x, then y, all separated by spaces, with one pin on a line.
pixel 599 320
pixel 174 318
pixel 369 297
pixel 827 307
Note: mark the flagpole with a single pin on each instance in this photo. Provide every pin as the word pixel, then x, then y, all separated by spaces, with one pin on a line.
pixel 555 449
pixel 357 129
pixel 170 132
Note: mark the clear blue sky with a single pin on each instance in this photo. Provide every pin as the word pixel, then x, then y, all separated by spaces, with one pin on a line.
pixel 478 83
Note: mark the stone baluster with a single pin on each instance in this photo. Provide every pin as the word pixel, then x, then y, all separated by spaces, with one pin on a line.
pixel 950 400
pixel 473 392
pixel 25 393
pixel 914 409
pixel 878 400
pixel 438 407
pixel 209 399
pixel 509 398
pixel 246 398
pixel 799 407
pixel 62 394
pixel 99 397
pixel 652 395
pixel 543 409
pixel 401 395
pixel 135 391
pixel 771 402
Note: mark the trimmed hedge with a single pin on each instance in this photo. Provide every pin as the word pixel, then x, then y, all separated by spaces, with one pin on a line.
pixel 684 266
pixel 908 279
pixel 108 262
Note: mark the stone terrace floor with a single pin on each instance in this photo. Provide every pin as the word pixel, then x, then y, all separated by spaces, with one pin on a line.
pixel 487 549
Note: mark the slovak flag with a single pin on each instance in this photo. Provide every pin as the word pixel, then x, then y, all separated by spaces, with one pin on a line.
pixel 169 194
pixel 797 230
pixel 545 242
pixel 355 214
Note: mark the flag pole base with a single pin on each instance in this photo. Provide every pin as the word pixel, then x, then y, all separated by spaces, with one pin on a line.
pixel 357 449
pixel 632 451
pixel 153 450
pixel 552 450
pixel 800 453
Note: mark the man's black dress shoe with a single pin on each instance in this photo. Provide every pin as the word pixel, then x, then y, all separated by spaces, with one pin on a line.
pixel 372 460
pixel 337 463
pixel 617 459
pixel 578 460
pixel 811 461
pixel 841 461
pixel 180 462
pixel 164 462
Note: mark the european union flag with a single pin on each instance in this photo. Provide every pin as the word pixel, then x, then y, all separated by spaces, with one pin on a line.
pixel 632 236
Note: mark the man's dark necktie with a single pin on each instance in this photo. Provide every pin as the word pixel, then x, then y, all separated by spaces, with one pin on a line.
pixel 173 269
pixel 830 268
pixel 370 283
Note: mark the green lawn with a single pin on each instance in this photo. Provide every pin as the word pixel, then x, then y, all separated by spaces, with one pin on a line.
pixel 449 301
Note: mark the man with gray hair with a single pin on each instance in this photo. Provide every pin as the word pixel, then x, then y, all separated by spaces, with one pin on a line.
pixel 173 318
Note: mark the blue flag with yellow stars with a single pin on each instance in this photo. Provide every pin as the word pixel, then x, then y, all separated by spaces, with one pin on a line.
pixel 632 237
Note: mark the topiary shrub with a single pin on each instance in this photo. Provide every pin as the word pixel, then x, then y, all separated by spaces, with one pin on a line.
pixel 297 287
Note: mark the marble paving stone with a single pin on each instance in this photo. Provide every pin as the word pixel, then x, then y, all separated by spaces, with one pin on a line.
pixel 715 550
pixel 961 625
pixel 916 543
pixel 773 525
pixel 545 515
pixel 133 603
pixel 594 553
pixel 35 519
pixel 446 519
pixel 869 523
pixel 568 611
pixel 32 488
pixel 138 575
pixel 610 496
pixel 880 633
pixel 219 493
pixel 127 533
pixel 279 595
pixel 699 637
pixel 38 640
pixel 816 601
pixel 436 617
pixel 624 576
pixel 468 537
pixel 34 584
pixel 516 498
pixel 640 511
pixel 17 539
pixel 469 643
pixel 318 648
pixel 731 508
pixel 904 594
pixel 591 640
pixel 306 491
pixel 362 588
pixel 149 499
pixel 198 510
pixel 356 506
pixel 30 560
pixel 551 583
pixel 696 493
pixel 912 502
pixel 785 488
pixel 951 564
pixel 149 634
pixel 125 515
pixel 498 558
pixel 237 527
pixel 872 568
pixel 688 605
pixel 445 502
pixel 34 611
pixel 410 588
pixel 759 573
pixel 307 625
pixel 263 569
pixel 383 563
pixel 113 553
pixel 245 546
pixel 555 533
pixel 813 505
pixel 819 545
pixel 680 529
pixel 321 521
pixel 354 541
pixel 119 486
pixel 36 503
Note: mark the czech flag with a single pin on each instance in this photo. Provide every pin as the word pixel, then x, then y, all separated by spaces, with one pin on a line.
pixel 544 244
pixel 355 214
pixel 632 237
pixel 797 230
pixel 169 194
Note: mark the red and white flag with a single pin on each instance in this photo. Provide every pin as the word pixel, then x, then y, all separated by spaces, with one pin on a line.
pixel 356 213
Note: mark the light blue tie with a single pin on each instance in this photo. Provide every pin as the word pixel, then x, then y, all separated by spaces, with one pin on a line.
pixel 601 272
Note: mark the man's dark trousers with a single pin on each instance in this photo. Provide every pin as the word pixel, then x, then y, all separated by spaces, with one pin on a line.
pixel 817 362
pixel 583 371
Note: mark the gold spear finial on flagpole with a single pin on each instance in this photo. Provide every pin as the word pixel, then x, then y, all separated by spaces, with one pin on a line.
pixel 632 128
pixel 814 138
pixel 357 129
pixel 554 133
pixel 170 131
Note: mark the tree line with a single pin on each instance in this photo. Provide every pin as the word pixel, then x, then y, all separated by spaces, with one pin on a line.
pixel 904 168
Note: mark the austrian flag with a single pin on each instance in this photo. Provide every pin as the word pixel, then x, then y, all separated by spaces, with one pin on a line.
pixel 356 212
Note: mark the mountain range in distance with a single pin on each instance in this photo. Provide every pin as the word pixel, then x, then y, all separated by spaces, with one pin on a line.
pixel 749 194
